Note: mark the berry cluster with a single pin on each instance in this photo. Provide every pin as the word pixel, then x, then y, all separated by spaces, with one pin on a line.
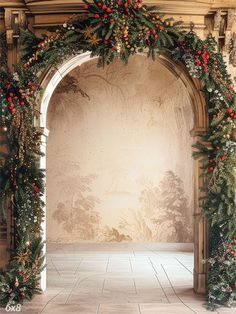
pixel 202 59
pixel 231 113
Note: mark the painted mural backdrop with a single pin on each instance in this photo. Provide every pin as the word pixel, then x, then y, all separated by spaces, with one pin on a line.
pixel 119 155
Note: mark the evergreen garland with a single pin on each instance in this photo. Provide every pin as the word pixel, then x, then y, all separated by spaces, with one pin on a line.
pixel 115 29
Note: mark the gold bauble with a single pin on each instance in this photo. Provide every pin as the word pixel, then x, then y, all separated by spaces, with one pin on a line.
pixel 233 135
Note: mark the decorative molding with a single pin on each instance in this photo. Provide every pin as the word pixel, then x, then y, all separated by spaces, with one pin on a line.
pixel 232 50
pixel 14 20
pixel 217 20
pixel 230 19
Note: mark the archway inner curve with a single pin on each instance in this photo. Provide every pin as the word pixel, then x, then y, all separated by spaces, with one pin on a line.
pixel 50 84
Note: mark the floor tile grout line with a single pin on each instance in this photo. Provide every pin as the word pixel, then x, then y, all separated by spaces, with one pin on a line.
pixel 153 251
pixel 131 267
pixel 98 308
pixel 184 266
pixel 139 308
pixel 79 282
pixel 135 287
pixel 49 301
pixel 158 280
pixel 78 265
pixel 175 291
pixel 103 285
pixel 55 268
pixel 108 262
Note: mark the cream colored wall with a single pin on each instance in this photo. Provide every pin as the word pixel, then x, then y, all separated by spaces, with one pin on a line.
pixel 119 164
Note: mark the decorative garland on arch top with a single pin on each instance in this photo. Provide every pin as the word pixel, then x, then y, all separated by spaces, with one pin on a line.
pixel 114 29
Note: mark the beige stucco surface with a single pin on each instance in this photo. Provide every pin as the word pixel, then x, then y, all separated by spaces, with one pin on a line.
pixel 119 165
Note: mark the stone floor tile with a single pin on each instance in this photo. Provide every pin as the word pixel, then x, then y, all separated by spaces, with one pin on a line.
pixel 70 309
pixel 119 308
pixel 158 308
pixel 116 278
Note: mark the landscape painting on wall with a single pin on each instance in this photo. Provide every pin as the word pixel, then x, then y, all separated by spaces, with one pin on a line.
pixel 119 156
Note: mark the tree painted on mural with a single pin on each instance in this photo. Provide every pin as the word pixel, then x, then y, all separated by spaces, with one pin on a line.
pixel 175 208
pixel 75 209
pixel 164 214
pixel 114 29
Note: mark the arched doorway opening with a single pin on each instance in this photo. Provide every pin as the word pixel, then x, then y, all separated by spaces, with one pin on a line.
pixel 199 125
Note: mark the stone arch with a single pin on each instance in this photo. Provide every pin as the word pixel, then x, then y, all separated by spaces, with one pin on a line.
pixel 52 77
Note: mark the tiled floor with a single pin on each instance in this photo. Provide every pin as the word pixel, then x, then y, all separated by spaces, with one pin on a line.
pixel 118 279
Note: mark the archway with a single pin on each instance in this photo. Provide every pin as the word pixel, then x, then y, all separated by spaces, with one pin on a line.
pixel 50 82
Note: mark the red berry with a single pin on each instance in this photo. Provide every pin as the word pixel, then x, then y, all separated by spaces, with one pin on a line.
pixel 105 15
pixel 229 110
pixel 104 7
pixel 211 168
pixel 99 4
pixel 109 10
pixel 9 99
pixel 15 98
pixel 30 83
pixel 97 16
pixel 22 96
pixel 211 160
pixel 11 94
pixel 223 158
pixel 22 103
pixel 86 7
pixel 215 62
pixel 13 110
pixel 199 52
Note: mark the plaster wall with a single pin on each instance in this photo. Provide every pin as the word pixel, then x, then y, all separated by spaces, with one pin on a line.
pixel 119 165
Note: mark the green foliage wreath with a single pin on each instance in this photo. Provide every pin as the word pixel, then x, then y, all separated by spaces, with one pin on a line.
pixel 114 29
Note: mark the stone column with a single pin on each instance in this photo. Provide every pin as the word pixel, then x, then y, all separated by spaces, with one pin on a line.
pixel 44 132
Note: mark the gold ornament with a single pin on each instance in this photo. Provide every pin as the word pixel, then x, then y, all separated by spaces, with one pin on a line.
pixel 94 40
pixel 21 258
pixel 27 243
pixel 4 128
pixel 233 135
pixel 88 32
pixel 118 47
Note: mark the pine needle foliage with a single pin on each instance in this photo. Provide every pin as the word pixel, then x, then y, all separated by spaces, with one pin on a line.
pixel 110 30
